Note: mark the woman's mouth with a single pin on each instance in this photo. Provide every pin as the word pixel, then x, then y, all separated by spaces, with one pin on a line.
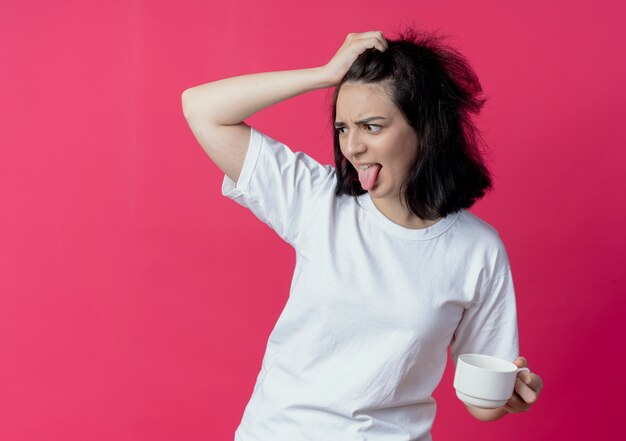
pixel 368 174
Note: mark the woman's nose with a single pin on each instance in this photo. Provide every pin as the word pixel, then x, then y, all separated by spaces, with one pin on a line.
pixel 354 145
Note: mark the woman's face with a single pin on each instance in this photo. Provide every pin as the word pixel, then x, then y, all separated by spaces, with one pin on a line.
pixel 371 129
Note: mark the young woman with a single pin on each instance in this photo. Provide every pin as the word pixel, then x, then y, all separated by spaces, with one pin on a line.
pixel 391 268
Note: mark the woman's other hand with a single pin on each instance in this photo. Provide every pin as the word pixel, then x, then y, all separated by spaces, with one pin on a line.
pixel 528 386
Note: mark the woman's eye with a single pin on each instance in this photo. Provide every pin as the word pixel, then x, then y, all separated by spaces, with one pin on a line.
pixel 368 126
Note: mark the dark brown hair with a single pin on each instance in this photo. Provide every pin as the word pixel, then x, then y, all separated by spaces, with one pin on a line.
pixel 437 91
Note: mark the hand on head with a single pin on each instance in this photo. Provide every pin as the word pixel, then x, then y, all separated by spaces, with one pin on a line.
pixel 354 45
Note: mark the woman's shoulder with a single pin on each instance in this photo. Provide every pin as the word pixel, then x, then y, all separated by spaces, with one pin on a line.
pixel 477 230
pixel 482 241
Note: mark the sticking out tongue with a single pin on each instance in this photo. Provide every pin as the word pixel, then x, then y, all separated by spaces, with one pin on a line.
pixel 368 176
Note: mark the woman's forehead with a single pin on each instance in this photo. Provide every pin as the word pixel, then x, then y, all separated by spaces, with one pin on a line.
pixel 357 101
pixel 363 89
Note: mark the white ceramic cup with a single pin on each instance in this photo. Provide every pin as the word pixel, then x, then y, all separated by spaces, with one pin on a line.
pixel 485 381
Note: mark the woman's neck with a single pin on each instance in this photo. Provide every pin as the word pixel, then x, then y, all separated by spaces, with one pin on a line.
pixel 401 215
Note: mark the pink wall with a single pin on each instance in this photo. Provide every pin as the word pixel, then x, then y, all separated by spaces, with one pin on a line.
pixel 136 301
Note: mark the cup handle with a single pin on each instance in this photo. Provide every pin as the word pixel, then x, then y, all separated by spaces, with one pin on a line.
pixel 522 369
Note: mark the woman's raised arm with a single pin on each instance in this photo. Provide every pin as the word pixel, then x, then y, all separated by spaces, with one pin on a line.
pixel 231 100
pixel 215 111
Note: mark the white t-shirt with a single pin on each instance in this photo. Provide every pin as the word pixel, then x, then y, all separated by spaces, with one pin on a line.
pixel 373 306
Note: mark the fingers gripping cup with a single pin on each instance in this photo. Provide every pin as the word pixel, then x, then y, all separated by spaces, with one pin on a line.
pixel 485 381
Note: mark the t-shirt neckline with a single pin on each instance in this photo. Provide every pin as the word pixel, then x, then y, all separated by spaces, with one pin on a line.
pixel 406 233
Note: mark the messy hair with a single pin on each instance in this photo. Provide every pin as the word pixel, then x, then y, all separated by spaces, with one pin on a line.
pixel 437 91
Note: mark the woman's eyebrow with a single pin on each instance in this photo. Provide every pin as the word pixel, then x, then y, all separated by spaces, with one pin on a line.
pixel 363 121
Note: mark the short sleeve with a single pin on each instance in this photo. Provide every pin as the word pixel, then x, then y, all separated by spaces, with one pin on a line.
pixel 278 185
pixel 489 325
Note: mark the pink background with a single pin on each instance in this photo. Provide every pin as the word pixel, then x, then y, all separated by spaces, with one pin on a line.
pixel 136 301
